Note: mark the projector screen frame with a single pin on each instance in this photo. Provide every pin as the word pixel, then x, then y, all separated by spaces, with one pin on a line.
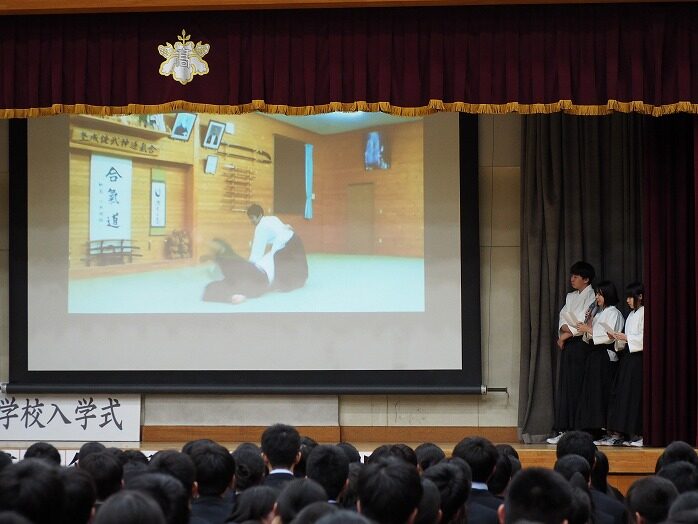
pixel 23 380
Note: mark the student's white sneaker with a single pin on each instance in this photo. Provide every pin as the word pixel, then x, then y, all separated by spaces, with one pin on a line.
pixel 606 440
pixel 555 439
pixel 637 443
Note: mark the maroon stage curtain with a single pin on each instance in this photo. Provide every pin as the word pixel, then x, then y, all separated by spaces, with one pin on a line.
pixel 586 59
pixel 670 398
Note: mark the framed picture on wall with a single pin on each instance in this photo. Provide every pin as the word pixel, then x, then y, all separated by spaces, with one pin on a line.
pixel 158 203
pixel 183 124
pixel 211 165
pixel 214 134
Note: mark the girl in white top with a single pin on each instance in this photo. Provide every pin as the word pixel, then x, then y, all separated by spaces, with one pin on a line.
pixel 625 410
pixel 598 373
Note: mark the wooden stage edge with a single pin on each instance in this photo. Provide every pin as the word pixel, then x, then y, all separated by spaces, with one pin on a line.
pixel 626 464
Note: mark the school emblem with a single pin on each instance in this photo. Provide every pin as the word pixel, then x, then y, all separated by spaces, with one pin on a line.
pixel 184 60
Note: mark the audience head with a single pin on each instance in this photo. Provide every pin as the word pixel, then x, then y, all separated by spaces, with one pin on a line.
pixel 649 499
pixel 537 495
pixel 135 456
pixel 80 496
pixel 255 211
pixel 683 475
pixel 502 475
pixel 508 450
pixel 568 465
pixel 350 451
pixel 106 472
pixel 687 501
pixel 329 466
pixel 33 488
pixel 296 495
pixel 581 506
pixel 215 468
pixel 389 491
pixel 177 464
pixel 452 479
pixel 584 270
pixel 607 290
pixel 314 512
pixel 45 451
pixel 193 444
pixel 344 516
pixel 480 454
pixel 281 446
pixel 167 491
pixel 677 451
pixel 249 468
pixel 428 511
pixel 129 507
pixel 88 448
pixel 404 452
pixel 5 460
pixel 428 454
pixel 577 443
pixel 12 517
pixel 350 495
pixel 307 446
pixel 255 503
pixel 599 473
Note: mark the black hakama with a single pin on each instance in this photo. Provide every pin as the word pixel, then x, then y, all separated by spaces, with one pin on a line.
pixel 625 410
pixel 290 265
pixel 573 359
pixel 240 277
pixel 596 389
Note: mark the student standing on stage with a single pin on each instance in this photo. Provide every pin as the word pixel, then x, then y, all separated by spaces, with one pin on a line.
pixel 625 409
pixel 572 348
pixel 598 372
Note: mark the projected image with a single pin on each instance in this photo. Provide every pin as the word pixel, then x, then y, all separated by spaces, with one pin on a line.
pixel 288 214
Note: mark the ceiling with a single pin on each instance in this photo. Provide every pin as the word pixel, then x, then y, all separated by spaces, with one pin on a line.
pixel 333 123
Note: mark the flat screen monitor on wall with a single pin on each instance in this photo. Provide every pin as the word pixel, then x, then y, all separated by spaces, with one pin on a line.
pixel 134 266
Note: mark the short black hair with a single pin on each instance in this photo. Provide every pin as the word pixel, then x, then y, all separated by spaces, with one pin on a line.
pixel 350 451
pixel 106 472
pixel 255 210
pixel 581 506
pixel 480 454
pixel 608 291
pixel 428 454
pixel 12 517
pixel 679 450
pixel 636 291
pixel 499 480
pixel 404 452
pixel 253 504
pixel 687 501
pixel 307 446
pixel 389 490
pixel 249 467
pixel 281 444
pixel 134 455
pixel 508 450
pixel 175 463
pixel 538 495
pixel 454 485
pixel 130 506
pixel 429 504
pixel 189 446
pixel 583 269
pixel 315 511
pixel 33 488
pixel 651 497
pixel 80 496
pixel 89 447
pixel 350 495
pixel 329 466
pixel 599 473
pixel 571 464
pixel 344 516
pixel 44 450
pixel 296 495
pixel 167 491
pixel 215 468
pixel 681 474
pixel 577 443
pixel 5 460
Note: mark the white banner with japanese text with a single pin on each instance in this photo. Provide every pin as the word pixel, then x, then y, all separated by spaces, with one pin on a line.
pixel 110 198
pixel 80 418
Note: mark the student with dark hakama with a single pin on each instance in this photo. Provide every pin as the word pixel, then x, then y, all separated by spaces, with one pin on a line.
pixel 572 356
pixel 601 359
pixel 625 409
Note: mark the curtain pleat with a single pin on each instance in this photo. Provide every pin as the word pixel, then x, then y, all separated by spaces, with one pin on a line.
pixel 583 59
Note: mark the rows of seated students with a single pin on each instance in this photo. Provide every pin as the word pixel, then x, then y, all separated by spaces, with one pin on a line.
pixel 293 480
